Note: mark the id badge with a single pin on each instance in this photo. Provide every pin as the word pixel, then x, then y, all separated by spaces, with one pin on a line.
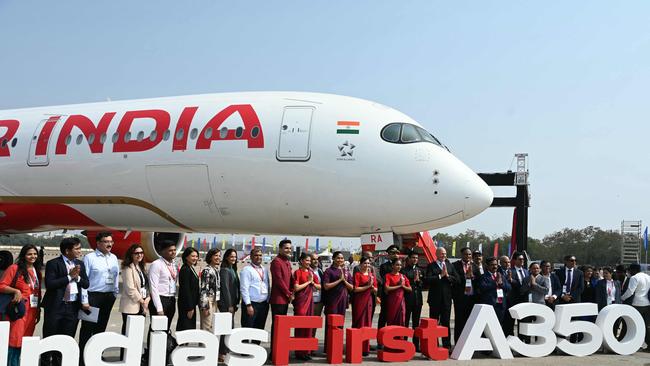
pixel 500 295
pixel 33 301
pixel 143 292
pixel 564 291
pixel 217 295
pixel 609 301
pixel 264 290
pixel 468 283
pixel 172 288
pixel 110 280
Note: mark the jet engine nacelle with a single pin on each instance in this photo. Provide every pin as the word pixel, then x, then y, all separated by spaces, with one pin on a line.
pixel 150 241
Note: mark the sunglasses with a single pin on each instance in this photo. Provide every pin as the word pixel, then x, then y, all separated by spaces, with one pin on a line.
pixel 138 253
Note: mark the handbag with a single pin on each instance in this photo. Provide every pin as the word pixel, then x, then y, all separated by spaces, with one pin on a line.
pixel 13 311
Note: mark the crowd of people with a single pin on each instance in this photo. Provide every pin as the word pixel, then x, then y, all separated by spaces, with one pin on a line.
pixel 396 287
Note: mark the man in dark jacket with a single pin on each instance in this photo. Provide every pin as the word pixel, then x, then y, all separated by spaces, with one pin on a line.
pixel 465 291
pixel 65 277
pixel 441 276
pixel 413 299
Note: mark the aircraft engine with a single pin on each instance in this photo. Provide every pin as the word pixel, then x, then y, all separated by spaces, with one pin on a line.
pixel 150 241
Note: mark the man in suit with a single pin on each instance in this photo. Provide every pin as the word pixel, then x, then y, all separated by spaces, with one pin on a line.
pixel 465 291
pixel 517 294
pixel 65 277
pixel 477 259
pixel 413 299
pixel 441 276
pixel 572 281
pixel 494 288
pixel 555 290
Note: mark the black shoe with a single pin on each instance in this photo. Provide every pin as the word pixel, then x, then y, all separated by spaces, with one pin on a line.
pixel 365 354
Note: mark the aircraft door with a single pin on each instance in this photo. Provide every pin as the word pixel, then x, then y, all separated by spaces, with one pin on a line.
pixel 184 192
pixel 295 134
pixel 39 145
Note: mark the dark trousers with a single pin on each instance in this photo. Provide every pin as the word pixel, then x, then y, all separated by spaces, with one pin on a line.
pixel 463 306
pixel 258 320
pixel 104 301
pixel 169 308
pixel 413 313
pixel 443 315
pixel 63 322
pixel 645 313
pixel 277 309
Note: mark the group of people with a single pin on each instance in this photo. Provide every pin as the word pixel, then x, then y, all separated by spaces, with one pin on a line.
pixel 91 284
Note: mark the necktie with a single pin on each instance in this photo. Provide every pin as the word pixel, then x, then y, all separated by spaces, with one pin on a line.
pixel 521 275
pixel 568 281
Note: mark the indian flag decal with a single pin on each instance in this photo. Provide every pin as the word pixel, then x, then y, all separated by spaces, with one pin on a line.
pixel 348 127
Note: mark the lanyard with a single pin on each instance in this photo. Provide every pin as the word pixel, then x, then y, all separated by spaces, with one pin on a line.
pixel 194 271
pixel 33 280
pixel 171 270
pixel 259 271
pixel 610 285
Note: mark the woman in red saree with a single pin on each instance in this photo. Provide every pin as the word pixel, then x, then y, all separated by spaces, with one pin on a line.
pixel 304 282
pixel 365 287
pixel 394 287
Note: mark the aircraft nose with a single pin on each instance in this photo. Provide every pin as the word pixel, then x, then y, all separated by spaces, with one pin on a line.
pixel 478 196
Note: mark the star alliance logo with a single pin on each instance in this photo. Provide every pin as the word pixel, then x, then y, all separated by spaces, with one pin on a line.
pixel 346 150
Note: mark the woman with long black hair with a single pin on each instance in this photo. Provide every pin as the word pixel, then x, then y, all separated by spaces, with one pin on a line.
pixel 188 290
pixel 230 295
pixel 23 281
pixel 134 297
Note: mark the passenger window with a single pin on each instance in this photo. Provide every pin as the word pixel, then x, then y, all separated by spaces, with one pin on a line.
pixel 68 140
pixel 102 139
pixel 153 135
pixel 140 136
pixel 208 133
pixel 91 138
pixel 166 135
pixel 255 131
pixel 409 134
pixel 127 137
pixel 14 142
pixel 194 133
pixel 179 134
pixel 79 139
pixel 4 143
pixel 116 136
pixel 391 132
pixel 239 132
pixel 223 132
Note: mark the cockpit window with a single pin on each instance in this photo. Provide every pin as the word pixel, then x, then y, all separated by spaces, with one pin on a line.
pixel 409 134
pixel 391 132
pixel 405 133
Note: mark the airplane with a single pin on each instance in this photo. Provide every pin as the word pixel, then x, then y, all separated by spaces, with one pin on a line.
pixel 286 163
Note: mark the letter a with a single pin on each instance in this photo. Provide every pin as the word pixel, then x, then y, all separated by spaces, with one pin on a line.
pixel 483 319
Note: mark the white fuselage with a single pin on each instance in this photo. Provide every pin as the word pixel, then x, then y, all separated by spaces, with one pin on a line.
pixel 304 171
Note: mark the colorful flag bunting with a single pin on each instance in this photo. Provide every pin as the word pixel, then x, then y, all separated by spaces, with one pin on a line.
pixel 496 250
pixel 453 249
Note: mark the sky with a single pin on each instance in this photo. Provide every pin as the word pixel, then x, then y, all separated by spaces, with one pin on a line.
pixel 565 82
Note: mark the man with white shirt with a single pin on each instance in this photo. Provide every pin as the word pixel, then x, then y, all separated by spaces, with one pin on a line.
pixel 103 270
pixel 254 287
pixel 639 286
pixel 162 281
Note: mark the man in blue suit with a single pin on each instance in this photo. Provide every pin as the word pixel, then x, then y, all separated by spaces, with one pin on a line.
pixel 65 277
pixel 494 288
pixel 572 281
